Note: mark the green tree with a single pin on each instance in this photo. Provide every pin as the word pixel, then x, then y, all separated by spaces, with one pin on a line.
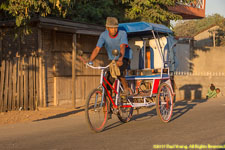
pixel 221 33
pixel 24 10
pixel 155 11
pixel 95 11
pixel 91 11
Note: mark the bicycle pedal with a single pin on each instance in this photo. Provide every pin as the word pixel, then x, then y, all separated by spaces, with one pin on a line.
pixel 123 96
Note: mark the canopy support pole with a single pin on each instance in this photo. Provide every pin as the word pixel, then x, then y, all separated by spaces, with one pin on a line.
pixel 159 49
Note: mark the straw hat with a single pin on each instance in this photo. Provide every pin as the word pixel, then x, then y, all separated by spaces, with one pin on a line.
pixel 111 22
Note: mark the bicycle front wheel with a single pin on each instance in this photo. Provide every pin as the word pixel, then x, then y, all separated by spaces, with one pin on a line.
pixel 164 102
pixel 96 110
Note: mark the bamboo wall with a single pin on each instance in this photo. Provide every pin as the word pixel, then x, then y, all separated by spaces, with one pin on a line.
pixel 19 84
pixel 36 70
pixel 21 72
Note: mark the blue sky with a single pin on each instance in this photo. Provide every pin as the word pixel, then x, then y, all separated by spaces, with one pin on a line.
pixel 215 6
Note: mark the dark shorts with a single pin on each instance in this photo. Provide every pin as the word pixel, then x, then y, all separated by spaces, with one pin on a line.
pixel 126 63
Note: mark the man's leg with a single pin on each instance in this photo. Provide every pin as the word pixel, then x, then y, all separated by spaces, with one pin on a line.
pixel 124 82
pixel 111 81
pixel 122 78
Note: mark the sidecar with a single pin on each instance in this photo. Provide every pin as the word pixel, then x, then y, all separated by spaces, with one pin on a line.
pixel 150 75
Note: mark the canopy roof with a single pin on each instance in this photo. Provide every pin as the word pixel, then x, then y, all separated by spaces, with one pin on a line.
pixel 135 27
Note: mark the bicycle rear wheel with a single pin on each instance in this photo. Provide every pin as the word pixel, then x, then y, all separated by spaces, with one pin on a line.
pixel 96 111
pixel 164 102
pixel 125 111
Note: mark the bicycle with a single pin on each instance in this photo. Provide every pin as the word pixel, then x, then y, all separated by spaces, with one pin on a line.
pixel 151 85
pixel 100 103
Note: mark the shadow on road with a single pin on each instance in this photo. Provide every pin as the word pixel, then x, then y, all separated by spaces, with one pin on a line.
pixel 113 125
pixel 182 107
pixel 145 115
pixel 137 117
pixel 60 115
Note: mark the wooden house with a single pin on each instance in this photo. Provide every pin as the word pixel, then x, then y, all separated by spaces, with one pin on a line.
pixel 42 68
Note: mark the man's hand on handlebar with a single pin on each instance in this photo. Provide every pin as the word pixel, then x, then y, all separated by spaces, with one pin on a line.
pixel 90 63
pixel 119 63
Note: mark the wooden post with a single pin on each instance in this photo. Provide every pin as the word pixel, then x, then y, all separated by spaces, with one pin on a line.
pixel 37 99
pixel 214 38
pixel 55 92
pixel 10 86
pixel 44 82
pixel 21 83
pixel 30 83
pixel 2 84
pixel 1 47
pixel 14 83
pixel 40 67
pixel 6 87
pixel 74 43
pixel 2 72
pixel 33 82
pixel 56 102
pixel 26 84
pixel 18 84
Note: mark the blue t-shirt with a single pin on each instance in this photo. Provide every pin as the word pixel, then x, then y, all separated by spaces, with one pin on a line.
pixel 111 43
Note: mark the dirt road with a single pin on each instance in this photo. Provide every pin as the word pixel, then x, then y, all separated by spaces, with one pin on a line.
pixel 195 125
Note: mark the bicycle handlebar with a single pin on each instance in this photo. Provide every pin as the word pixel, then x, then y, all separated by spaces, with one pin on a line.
pixel 99 67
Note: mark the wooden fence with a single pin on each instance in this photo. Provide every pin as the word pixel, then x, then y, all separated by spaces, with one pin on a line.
pixel 19 84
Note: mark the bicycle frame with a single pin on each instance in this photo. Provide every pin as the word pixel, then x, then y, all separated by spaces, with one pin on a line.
pixel 115 89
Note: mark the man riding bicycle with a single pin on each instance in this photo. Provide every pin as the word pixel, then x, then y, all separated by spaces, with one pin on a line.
pixel 111 39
